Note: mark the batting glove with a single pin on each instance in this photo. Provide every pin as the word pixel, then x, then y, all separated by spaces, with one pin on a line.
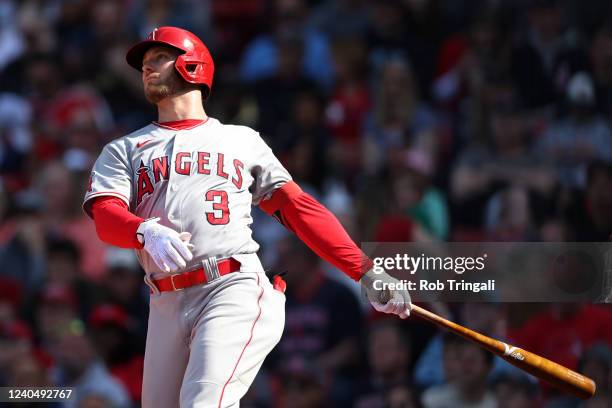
pixel 393 301
pixel 170 250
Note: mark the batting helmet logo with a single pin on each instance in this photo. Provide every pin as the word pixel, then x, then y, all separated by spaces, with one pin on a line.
pixel 195 65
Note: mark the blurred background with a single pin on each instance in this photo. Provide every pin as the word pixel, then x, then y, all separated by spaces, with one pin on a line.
pixel 412 120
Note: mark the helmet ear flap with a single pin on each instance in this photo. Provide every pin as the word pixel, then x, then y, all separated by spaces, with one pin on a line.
pixel 192 72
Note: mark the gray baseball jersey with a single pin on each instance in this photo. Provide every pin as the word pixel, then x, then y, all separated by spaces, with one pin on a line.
pixel 202 180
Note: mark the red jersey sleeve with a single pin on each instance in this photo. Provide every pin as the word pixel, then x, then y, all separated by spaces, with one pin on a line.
pixel 318 228
pixel 115 224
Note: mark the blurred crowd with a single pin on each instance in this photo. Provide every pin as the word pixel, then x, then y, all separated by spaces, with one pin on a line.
pixel 412 120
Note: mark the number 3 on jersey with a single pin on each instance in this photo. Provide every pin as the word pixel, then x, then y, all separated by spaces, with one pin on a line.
pixel 220 213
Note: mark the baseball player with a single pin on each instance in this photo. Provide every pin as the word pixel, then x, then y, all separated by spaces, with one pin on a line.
pixel 179 191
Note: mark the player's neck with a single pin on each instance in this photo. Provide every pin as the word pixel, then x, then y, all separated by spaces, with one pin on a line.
pixel 180 107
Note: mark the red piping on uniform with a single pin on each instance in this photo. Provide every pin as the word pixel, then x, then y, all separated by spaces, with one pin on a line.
pixel 184 124
pixel 247 343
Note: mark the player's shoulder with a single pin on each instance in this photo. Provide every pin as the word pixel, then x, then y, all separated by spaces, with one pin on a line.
pixel 238 131
pixel 247 138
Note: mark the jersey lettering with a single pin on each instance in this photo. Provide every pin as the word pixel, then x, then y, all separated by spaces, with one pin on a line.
pixel 220 172
pixel 203 160
pixel 160 168
pixel 238 165
pixel 144 183
pixel 181 167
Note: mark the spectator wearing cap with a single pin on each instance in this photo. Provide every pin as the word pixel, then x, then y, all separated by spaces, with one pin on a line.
pixel 112 336
pixel 584 136
pixel 78 365
pixel 389 358
pixel 63 269
pixel 55 309
pixel 125 288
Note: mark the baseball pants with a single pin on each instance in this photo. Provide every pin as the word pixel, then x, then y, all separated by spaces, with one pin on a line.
pixel 205 344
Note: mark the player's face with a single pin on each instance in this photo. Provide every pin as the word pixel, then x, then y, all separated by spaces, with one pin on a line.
pixel 158 75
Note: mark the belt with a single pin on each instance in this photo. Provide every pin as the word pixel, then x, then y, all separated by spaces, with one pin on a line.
pixel 196 277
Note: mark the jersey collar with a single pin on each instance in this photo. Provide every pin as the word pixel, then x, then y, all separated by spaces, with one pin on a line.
pixel 184 124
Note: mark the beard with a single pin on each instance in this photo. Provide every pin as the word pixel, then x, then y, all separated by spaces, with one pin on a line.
pixel 163 88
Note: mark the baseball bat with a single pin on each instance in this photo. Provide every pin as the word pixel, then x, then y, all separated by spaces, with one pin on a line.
pixel 561 377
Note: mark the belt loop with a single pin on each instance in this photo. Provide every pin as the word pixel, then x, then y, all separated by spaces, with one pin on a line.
pixel 211 269
pixel 149 282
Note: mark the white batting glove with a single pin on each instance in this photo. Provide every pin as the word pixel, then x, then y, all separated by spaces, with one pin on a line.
pixel 387 301
pixel 170 250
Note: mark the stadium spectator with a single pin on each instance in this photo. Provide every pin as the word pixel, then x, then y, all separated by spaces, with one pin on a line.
pixel 78 366
pixel 323 319
pixel 261 58
pixel 582 137
pixel 466 369
pixel 112 333
pixel 570 330
pixel 389 360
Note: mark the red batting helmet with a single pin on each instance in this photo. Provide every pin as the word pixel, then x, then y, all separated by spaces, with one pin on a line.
pixel 195 65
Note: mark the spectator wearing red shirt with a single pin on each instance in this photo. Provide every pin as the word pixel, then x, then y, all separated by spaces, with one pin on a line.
pixel 564 331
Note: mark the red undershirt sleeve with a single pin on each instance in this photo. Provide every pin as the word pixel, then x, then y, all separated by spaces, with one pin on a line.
pixel 318 228
pixel 115 224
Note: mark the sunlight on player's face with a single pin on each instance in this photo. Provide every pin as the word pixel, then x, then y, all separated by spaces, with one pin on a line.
pixel 158 75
